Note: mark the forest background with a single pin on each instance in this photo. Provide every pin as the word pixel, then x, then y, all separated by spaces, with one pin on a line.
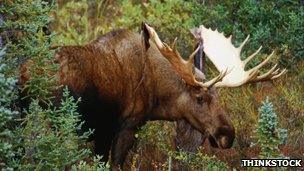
pixel 269 116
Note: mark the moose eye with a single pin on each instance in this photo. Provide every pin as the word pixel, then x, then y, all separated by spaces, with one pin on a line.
pixel 200 100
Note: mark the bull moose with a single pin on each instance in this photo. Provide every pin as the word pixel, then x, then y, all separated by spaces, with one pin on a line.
pixel 125 79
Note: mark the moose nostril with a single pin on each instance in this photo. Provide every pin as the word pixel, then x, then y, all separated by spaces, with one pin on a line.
pixel 222 137
pixel 213 142
pixel 225 142
pixel 225 137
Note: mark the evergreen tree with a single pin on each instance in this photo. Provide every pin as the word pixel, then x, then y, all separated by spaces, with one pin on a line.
pixel 268 134
pixel 50 139
pixel 25 33
pixel 7 114
pixel 45 138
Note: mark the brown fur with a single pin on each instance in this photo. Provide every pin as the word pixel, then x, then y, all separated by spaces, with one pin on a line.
pixel 124 83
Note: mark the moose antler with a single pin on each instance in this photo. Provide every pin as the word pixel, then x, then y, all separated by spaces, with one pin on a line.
pixel 224 55
pixel 184 68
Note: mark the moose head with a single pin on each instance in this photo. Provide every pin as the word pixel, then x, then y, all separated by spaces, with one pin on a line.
pixel 199 102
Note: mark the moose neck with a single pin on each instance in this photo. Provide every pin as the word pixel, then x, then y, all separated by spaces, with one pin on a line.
pixel 167 85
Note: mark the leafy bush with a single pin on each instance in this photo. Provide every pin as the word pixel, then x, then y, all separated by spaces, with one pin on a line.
pixel 276 25
pixel 290 105
pixel 24 30
pixel 268 134
pixel 7 115
pixel 75 23
pixel 171 19
pixel 45 137
pixel 199 160
pixel 95 166
pixel 49 137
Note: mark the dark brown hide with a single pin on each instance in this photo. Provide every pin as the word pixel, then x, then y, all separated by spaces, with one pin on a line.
pixel 123 81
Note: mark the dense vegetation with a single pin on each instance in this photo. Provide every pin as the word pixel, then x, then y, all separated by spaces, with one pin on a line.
pixel 44 137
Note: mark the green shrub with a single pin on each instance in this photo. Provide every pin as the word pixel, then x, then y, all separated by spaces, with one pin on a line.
pixel 75 23
pixel 24 32
pixel 95 166
pixel 199 161
pixel 7 116
pixel 290 105
pixel 268 134
pixel 49 137
pixel 276 25
pixel 45 138
pixel 171 19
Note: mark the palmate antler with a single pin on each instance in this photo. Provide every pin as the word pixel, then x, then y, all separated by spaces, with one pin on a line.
pixel 184 68
pixel 225 56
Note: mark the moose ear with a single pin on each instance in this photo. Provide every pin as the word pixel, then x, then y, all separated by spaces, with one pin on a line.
pixel 195 32
pixel 145 36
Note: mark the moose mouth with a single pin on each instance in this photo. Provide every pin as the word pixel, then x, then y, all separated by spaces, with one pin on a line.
pixel 222 141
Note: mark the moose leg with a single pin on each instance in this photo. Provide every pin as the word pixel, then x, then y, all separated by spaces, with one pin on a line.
pixel 122 144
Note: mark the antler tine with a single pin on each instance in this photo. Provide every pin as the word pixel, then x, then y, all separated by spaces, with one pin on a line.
pixel 215 80
pixel 270 76
pixel 266 76
pixel 243 43
pixel 276 71
pixel 268 73
pixel 280 74
pixel 262 63
pixel 191 57
pixel 174 44
pixel 251 56
pixel 229 38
